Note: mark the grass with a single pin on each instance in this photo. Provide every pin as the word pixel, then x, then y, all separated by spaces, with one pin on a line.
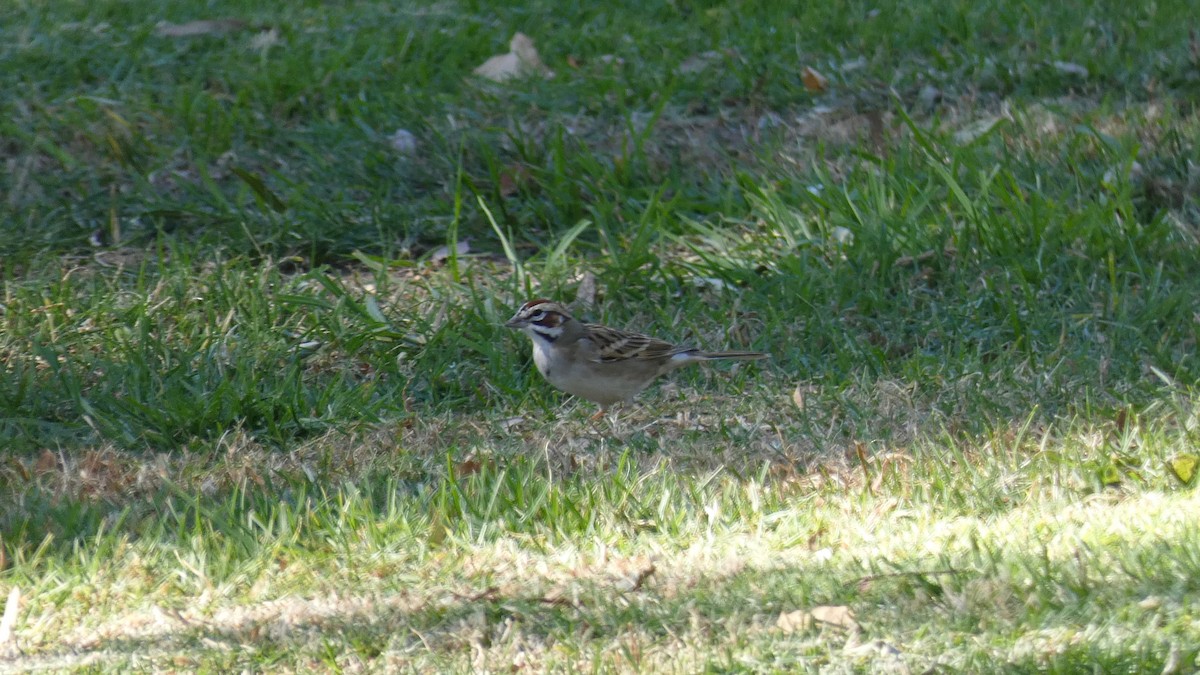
pixel 258 410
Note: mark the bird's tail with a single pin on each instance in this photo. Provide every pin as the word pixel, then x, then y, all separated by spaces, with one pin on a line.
pixel 732 356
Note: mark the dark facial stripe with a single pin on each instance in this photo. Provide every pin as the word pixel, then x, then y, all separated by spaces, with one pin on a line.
pixel 547 333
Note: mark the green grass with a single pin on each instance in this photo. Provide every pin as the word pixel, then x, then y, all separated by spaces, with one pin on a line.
pixel 263 423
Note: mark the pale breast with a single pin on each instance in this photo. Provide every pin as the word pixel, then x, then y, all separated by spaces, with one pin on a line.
pixel 603 383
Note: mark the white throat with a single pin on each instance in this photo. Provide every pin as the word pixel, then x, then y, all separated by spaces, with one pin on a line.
pixel 543 335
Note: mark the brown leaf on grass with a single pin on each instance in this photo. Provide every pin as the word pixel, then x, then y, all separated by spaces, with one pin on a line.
pixel 102 475
pixel 794 622
pixel 513 178
pixel 1122 419
pixel 47 462
pixel 837 616
pixel 813 81
pixel 199 27
pixel 522 60
pixel 468 467
pixel 800 395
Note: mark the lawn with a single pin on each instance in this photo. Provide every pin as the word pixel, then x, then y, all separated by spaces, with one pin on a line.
pixel 258 410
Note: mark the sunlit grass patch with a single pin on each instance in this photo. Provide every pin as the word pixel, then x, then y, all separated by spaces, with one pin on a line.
pixel 258 410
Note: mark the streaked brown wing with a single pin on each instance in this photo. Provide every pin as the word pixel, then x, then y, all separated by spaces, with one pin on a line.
pixel 618 345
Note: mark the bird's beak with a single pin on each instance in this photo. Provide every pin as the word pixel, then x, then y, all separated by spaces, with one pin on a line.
pixel 514 323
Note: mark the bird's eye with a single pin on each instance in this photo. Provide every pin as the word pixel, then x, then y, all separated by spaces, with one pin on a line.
pixel 538 317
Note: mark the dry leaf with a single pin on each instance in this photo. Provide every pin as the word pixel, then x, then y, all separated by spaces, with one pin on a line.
pixel 1150 603
pixel 199 27
pixel 47 462
pixel 794 622
pixel 1122 419
pixel 522 60
pixel 839 616
pixel 512 422
pixel 512 179
pixel 798 396
pixel 813 81
pixel 585 293
pixel 469 466
pixel 441 253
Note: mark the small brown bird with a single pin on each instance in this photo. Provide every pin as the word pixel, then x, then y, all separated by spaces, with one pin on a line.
pixel 601 364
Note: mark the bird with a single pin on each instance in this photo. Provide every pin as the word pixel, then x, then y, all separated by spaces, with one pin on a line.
pixel 601 364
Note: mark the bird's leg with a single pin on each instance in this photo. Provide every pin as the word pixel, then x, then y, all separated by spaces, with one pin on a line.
pixel 599 415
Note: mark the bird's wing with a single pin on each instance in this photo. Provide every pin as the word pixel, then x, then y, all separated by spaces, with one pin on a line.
pixel 618 345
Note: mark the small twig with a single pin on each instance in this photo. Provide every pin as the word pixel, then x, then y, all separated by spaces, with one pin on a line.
pixel 488 593
pixel 421 638
pixel 642 576
pixel 866 467
pixel 558 602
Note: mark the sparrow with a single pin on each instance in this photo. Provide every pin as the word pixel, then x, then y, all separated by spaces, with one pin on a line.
pixel 601 364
